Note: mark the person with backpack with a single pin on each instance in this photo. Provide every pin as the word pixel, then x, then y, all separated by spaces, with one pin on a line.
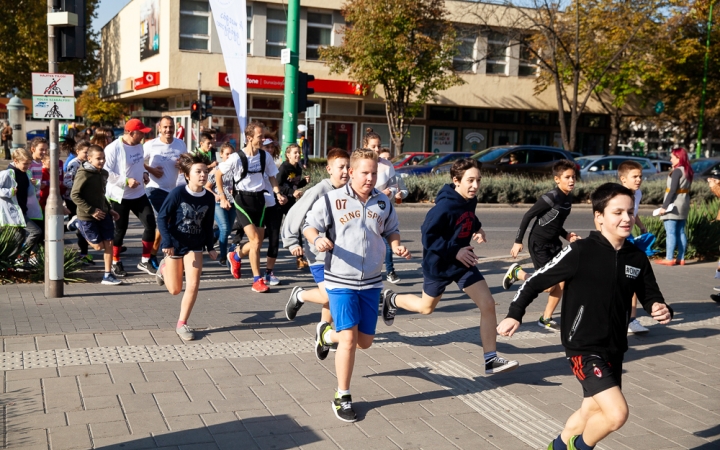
pixel 247 168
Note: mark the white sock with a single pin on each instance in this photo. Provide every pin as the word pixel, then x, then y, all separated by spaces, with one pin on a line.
pixel 144 259
pixel 341 392
pixel 326 337
pixel 300 297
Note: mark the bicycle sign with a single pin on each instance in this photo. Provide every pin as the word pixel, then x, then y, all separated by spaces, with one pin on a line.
pixel 55 84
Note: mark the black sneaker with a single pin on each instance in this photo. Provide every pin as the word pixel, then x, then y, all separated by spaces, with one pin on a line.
pixel 123 249
pixel 111 280
pixel 321 348
pixel 293 304
pixel 548 324
pixel 715 297
pixel 499 364
pixel 118 270
pixel 392 277
pixel 342 407
pixel 388 310
pixel 146 267
pixel 511 275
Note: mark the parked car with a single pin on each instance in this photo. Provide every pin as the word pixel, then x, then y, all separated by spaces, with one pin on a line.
pixel 35 133
pixel 594 166
pixel 535 160
pixel 409 159
pixel 662 166
pixel 425 166
pixel 703 166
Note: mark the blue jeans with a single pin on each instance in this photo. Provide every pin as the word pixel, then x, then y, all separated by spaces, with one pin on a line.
pixel 224 219
pixel 389 266
pixel 675 237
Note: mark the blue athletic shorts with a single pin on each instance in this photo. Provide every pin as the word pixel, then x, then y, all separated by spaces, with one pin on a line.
pixel 157 197
pixel 318 272
pixel 350 307
pixel 97 231
pixel 435 288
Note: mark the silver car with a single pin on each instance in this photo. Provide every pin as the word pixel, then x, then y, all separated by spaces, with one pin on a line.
pixel 594 166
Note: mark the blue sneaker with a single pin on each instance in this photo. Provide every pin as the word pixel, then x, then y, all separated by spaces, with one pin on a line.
pixel 110 279
pixel 154 262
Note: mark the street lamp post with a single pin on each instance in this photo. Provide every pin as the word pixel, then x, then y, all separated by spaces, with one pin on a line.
pixel 698 148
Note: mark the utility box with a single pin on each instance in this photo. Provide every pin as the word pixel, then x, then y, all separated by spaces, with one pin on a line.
pixel 16 117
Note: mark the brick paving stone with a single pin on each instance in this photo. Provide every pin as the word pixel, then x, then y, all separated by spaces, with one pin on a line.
pixel 95 416
pixel 69 438
pixel 186 408
pixel 108 429
pixel 146 422
pixel 232 441
pixel 27 440
pixel 221 423
pixel 107 401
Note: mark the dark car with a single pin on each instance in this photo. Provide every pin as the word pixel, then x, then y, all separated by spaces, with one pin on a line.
pixel 535 160
pixel 703 166
pixel 35 133
pixel 425 166
pixel 409 159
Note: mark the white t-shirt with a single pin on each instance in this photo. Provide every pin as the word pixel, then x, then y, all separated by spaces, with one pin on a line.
pixel 134 168
pixel 638 196
pixel 160 154
pixel 386 175
pixel 254 181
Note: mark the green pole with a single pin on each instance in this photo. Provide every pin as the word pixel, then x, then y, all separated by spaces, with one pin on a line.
pixel 291 74
pixel 698 148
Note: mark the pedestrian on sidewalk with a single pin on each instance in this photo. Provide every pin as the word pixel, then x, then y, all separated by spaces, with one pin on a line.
pixel 186 226
pixel 337 166
pixel 273 214
pixel 714 183
pixel 677 194
pixel 81 156
pixel 224 217
pixel 6 135
pixel 601 274
pixel 290 181
pixel 95 215
pixel 27 199
pixel 550 213
pixel 353 273
pixel 447 234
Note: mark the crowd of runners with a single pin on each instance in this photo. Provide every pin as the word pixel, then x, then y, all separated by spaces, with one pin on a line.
pixel 345 227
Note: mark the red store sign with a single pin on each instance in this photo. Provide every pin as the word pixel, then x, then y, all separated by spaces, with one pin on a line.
pixel 278 84
pixel 148 79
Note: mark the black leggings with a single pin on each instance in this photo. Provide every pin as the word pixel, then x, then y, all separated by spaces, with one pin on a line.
pixel 141 208
pixel 81 242
pixel 273 223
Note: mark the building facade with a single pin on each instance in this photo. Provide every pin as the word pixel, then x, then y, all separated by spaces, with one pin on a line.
pixel 154 50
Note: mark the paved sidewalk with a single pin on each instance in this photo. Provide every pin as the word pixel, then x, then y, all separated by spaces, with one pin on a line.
pixel 103 368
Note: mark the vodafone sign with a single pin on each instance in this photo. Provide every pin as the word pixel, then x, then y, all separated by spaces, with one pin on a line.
pixel 274 83
pixel 148 79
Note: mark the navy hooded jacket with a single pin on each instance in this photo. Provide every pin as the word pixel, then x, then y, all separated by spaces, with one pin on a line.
pixel 448 227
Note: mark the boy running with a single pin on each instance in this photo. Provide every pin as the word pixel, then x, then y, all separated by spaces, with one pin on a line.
pixel 550 212
pixel 337 167
pixel 601 274
pixel 353 267
pixel 447 234
pixel 94 214
pixel 630 173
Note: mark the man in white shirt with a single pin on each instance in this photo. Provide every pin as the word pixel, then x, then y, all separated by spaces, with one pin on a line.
pixel 161 155
pixel 124 162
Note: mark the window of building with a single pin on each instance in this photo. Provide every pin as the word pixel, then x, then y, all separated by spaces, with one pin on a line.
pixel 474 115
pixel 593 121
pixel 505 137
pixel 319 32
pixel 505 116
pixel 464 61
pixel 267 103
pixel 497 53
pixel 194 25
pixel 538 118
pixel 275 30
pixel 340 107
pixel 528 64
pixel 374 109
pixel 447 113
pixel 249 28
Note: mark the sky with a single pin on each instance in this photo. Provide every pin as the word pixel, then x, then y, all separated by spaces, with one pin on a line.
pixel 106 11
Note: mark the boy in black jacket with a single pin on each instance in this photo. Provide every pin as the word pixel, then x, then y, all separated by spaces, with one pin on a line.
pixel 601 274
pixel 544 243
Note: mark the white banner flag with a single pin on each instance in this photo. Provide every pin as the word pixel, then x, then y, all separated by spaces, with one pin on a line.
pixel 230 18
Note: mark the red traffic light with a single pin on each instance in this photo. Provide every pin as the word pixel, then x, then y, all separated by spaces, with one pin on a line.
pixel 195 111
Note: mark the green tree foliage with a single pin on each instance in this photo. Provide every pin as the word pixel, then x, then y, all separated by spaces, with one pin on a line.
pixel 406 47
pixel 96 110
pixel 24 46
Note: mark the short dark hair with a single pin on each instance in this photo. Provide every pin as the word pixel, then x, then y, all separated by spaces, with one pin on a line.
pixel 94 149
pixel 172 121
pixel 34 142
pixel 336 153
pixel 250 128
pixel 626 166
pixel 606 192
pixel 187 160
pixel 562 165
pixel 205 136
pixel 81 144
pixel 461 166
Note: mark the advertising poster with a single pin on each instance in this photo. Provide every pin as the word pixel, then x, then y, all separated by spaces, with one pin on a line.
pixel 149 28
pixel 442 140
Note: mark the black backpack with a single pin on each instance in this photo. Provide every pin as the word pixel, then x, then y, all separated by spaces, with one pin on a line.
pixel 244 162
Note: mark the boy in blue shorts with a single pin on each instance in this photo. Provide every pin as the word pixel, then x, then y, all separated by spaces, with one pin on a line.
pixel 353 267
pixel 94 213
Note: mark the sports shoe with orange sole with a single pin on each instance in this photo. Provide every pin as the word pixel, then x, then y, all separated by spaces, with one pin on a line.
pixel 260 286
pixel 235 266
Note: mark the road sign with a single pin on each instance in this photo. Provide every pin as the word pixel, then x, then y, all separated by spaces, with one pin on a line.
pixel 55 84
pixel 46 107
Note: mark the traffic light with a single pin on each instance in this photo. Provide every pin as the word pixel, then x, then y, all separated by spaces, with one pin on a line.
pixel 195 111
pixel 303 91
pixel 206 104
pixel 70 41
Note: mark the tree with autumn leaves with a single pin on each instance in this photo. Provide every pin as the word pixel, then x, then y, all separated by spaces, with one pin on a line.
pixel 96 110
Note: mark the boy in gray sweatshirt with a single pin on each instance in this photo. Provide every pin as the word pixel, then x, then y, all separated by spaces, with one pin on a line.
pixel 355 219
pixel 337 167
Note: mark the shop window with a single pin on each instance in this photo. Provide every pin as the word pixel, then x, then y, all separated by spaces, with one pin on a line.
pixel 503 116
pixel 446 113
pixel 474 115
pixel 276 31
pixel 464 61
pixel 194 25
pixel 505 137
pixel 249 29
pixel 528 64
pixel 341 108
pixel 319 32
pixel 267 103
pixel 593 121
pixel 497 54
pixel 538 118
pixel 374 109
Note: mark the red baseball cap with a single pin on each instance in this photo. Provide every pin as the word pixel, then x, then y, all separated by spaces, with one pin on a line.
pixel 136 125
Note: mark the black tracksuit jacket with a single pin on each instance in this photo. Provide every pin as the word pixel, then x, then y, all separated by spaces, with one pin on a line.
pixel 599 285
